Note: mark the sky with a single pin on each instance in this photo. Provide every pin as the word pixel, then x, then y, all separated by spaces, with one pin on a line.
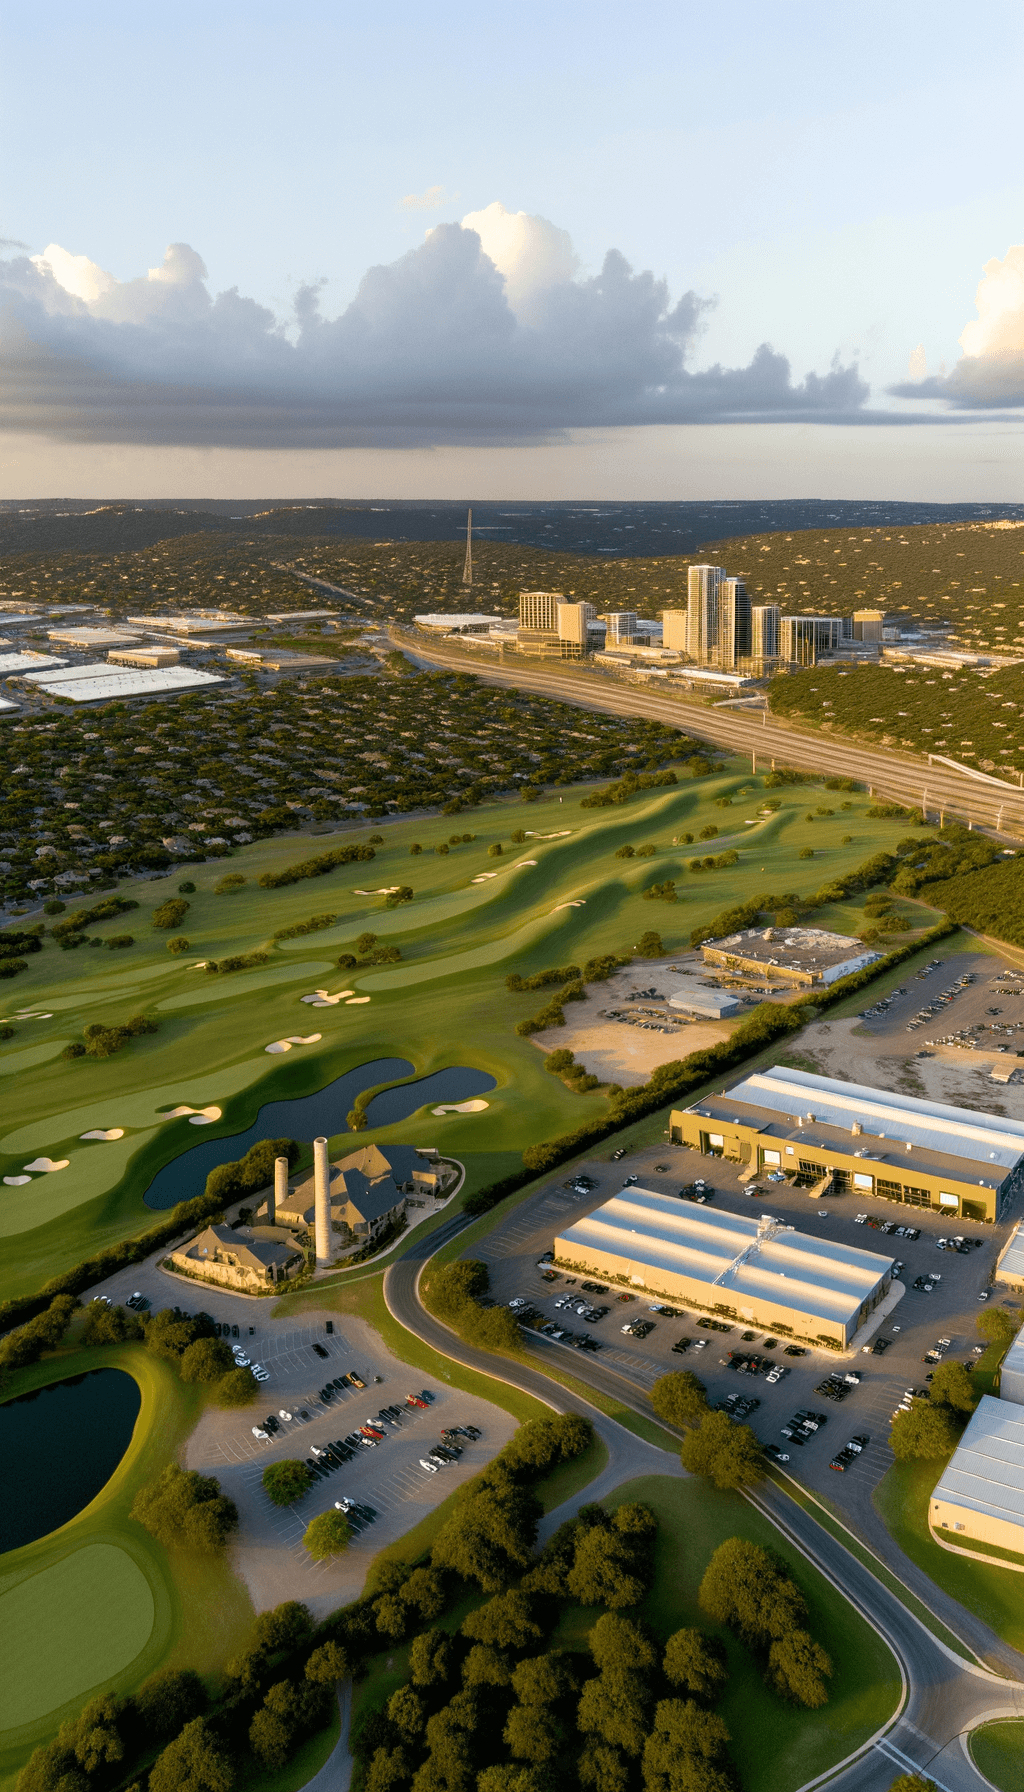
pixel 531 250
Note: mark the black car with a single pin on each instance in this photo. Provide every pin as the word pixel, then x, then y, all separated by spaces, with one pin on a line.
pixel 329 1327
pixel 320 1351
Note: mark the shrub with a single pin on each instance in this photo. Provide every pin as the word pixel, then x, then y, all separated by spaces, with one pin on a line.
pixel 298 928
pixel 120 939
pixel 663 892
pixel 170 912
pixel 186 889
pixel 315 867
pixel 239 961
pixel 327 1535
pixel 494 851
pixel 178 945
pixel 238 1388
pixel 207 1360
pixel 231 881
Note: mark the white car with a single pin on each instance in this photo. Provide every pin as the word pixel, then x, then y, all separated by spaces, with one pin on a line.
pixel 700 1343
pixel 344 1505
pixel 258 1431
pixel 260 1373
pixel 283 1414
pixel 242 1362
pixel 431 1467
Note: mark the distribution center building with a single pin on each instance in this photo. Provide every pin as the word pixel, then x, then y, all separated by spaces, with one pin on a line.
pixel 1011 1373
pixel 833 1137
pixel 759 1270
pixel 980 1494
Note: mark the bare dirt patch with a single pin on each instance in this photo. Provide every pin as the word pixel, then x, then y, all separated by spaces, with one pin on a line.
pixel 626 1051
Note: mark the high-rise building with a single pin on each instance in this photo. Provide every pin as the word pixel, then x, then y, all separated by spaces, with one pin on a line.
pixel 621 626
pixel 764 632
pixel 575 629
pixel 674 626
pixel 803 639
pixel 733 624
pixel 702 597
pixel 539 609
pixel 867 625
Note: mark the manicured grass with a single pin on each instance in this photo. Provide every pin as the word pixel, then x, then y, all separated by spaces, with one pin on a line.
pixel 78 1621
pixel 994 1594
pixel 212 1051
pixel 997 1751
pixel 77 1600
pixel 570 1478
pixel 777 1747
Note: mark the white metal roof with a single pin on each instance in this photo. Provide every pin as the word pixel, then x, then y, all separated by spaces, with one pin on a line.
pixel 26 662
pixel 742 1256
pixel 986 1470
pixel 159 681
pixel 1013 1361
pixel 458 620
pixel 84 636
pixel 61 673
pixel 983 1139
pixel 1011 1257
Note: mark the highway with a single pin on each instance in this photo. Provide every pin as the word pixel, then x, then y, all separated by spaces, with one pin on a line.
pixel 944 1697
pixel 899 777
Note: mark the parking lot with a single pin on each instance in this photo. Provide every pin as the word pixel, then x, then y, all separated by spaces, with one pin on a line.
pixel 386 1481
pixel 914 1325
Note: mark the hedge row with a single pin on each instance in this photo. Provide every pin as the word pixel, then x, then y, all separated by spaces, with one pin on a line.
pixel 317 867
pixel 225 1183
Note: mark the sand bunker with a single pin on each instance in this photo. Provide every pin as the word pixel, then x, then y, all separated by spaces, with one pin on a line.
pixel 285 1045
pixel 462 1107
pixel 354 1001
pixel 387 890
pixel 484 876
pixel 115 1132
pixel 320 998
pixel 47 1163
pixel 17 1181
pixel 579 903
pixel 31 1014
pixel 199 1116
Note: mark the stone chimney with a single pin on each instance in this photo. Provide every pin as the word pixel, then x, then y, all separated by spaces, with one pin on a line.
pixel 322 1202
pixel 280 1192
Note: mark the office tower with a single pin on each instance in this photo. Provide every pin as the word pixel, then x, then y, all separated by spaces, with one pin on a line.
pixel 702 588
pixel 574 630
pixel 673 624
pixel 764 632
pixel 733 624
pixel 867 625
pixel 539 609
pixel 621 626
pixel 803 639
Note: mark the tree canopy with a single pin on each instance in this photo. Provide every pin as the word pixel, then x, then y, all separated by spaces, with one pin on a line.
pixel 185 1509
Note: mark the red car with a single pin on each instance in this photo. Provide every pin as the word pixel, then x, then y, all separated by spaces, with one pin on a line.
pixel 414 1400
pixel 371 1431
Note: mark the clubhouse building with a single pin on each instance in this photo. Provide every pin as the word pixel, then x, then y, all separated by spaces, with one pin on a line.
pixel 761 1271
pixel 834 1137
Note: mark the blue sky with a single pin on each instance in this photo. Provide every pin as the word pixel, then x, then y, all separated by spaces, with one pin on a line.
pixel 835 179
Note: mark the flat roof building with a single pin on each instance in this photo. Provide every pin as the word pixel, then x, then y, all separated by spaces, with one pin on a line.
pixel 459 623
pixel 1009 1270
pixel 710 1004
pixel 1011 1373
pixel 94 638
pixel 28 662
pixel 144 656
pixel 759 1270
pixel 827 1135
pixel 980 1494
pixel 800 955
pixel 167 681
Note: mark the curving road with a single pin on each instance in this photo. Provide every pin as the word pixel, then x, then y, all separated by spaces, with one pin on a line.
pixel 898 776
pixel 944 1697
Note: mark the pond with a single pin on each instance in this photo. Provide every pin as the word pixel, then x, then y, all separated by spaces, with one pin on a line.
pixel 299 1117
pixel 58 1447
pixel 458 1083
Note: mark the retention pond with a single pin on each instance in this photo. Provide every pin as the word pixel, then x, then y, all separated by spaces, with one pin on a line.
pixel 58 1447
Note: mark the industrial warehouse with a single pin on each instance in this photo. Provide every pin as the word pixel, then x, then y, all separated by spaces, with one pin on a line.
pixel 833 1137
pixel 763 1271
pixel 981 1492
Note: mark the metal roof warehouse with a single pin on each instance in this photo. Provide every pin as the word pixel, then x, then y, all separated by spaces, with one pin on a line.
pixel 833 1136
pixel 761 1270
pixel 981 1490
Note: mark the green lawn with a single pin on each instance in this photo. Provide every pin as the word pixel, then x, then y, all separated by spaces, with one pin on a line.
pixel 994 1594
pixel 458 937
pixel 98 1605
pixel 777 1747
pixel 307 1760
pixel 997 1751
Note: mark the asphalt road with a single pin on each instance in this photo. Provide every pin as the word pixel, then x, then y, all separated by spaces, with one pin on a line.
pixel 944 1697
pixel 897 776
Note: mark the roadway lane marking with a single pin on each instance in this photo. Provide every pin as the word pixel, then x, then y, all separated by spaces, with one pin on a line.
pixel 899 1759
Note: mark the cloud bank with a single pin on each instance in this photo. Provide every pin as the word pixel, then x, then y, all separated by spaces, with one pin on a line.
pixel 486 334
pixel 991 374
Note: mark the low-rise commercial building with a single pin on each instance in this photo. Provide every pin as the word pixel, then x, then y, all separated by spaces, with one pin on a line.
pixel 144 657
pixel 802 956
pixel 759 1270
pixel 1009 1270
pixel 980 1494
pixel 830 1136
pixel 710 1004
pixel 1011 1373
pixel 456 624
pixel 92 638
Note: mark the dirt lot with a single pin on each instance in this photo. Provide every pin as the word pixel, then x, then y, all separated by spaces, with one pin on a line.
pixel 620 1052
pixel 881 1053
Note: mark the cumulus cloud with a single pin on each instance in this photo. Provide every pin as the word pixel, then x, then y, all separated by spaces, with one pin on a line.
pixel 430 201
pixel 486 333
pixel 991 373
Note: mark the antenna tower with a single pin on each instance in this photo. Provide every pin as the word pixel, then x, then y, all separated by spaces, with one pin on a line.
pixel 467 570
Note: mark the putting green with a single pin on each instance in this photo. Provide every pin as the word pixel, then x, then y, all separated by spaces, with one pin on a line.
pixel 69 1628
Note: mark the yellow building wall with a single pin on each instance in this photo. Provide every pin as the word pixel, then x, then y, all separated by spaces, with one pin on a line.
pixel 964 1525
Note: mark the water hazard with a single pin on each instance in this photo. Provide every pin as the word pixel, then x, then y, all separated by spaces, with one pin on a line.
pixel 58 1447
pixel 297 1117
pixel 308 1116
